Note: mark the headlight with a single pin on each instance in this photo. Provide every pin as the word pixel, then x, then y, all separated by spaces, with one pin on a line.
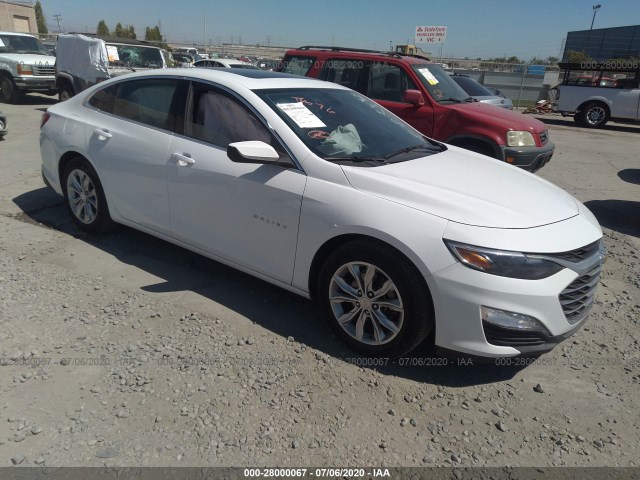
pixel 24 69
pixel 520 139
pixel 503 263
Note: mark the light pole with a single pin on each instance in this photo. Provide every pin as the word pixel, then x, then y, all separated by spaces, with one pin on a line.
pixel 595 10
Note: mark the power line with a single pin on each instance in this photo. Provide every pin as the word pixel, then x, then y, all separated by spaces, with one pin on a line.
pixel 58 17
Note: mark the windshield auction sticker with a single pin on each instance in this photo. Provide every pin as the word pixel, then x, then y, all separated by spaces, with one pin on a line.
pixel 1 43
pixel 428 75
pixel 112 53
pixel 300 114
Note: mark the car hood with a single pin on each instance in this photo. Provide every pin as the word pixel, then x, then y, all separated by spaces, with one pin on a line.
pixel 467 188
pixel 488 115
pixel 29 59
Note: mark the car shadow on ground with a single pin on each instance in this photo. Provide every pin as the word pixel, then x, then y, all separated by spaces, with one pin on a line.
pixel 620 215
pixel 38 100
pixel 630 175
pixel 282 312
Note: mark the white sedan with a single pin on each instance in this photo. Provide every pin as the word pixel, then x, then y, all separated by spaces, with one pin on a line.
pixel 312 187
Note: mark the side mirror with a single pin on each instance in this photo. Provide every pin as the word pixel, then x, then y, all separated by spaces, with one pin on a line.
pixel 414 97
pixel 252 152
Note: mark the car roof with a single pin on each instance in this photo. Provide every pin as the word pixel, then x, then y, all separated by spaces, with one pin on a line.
pixel 337 52
pixel 17 33
pixel 250 79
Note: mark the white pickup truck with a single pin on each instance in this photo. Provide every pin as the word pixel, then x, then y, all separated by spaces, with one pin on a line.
pixel 594 93
pixel 25 66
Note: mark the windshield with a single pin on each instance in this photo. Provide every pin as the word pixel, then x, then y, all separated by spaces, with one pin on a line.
pixel 21 44
pixel 472 87
pixel 134 56
pixel 439 84
pixel 342 125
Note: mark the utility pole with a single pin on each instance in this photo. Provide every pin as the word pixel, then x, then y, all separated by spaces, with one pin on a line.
pixel 58 17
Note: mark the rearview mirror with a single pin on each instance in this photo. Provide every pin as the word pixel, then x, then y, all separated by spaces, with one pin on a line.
pixel 252 152
pixel 414 97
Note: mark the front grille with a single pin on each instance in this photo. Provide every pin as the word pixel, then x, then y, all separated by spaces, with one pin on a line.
pixel 505 337
pixel 578 254
pixel 39 70
pixel 544 137
pixel 577 298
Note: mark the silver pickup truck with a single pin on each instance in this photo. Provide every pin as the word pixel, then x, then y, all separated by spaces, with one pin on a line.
pixel 594 93
pixel 25 66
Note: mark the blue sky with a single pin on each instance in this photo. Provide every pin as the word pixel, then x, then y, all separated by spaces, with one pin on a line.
pixel 476 28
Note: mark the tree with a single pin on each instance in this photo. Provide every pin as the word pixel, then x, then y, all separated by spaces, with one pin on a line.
pixel 552 60
pixel 153 34
pixel 119 32
pixel 102 29
pixel 130 33
pixel 42 24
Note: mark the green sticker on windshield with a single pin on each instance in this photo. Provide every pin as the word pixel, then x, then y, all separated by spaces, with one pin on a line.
pixel 428 75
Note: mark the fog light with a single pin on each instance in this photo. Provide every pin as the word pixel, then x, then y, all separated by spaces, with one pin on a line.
pixel 502 318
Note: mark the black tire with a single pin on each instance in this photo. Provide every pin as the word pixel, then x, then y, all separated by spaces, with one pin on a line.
pixel 93 215
pixel 593 115
pixel 65 92
pixel 409 290
pixel 478 146
pixel 9 93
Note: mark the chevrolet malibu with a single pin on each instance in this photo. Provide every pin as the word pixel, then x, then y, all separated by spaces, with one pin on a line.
pixel 313 187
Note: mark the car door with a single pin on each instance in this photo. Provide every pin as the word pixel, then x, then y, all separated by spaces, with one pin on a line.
pixel 386 84
pixel 625 99
pixel 244 212
pixel 128 128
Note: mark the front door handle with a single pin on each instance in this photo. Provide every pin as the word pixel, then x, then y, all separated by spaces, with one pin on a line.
pixel 102 134
pixel 183 159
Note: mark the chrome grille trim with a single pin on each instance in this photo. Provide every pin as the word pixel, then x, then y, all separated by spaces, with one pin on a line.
pixel 40 70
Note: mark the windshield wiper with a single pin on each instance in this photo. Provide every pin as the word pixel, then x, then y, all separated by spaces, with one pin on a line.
pixel 451 99
pixel 356 159
pixel 410 149
pixel 470 99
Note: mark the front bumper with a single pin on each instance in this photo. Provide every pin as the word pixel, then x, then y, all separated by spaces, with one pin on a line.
pixel 528 158
pixel 30 83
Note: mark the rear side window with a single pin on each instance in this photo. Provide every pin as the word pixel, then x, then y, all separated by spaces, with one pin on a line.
pixel 472 87
pixel 297 65
pixel 104 99
pixel 147 101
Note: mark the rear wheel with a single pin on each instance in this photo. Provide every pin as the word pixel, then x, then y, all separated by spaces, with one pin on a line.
pixel 592 115
pixel 8 90
pixel 65 92
pixel 85 198
pixel 375 299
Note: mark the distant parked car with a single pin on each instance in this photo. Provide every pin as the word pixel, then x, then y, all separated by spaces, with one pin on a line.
pixel 480 93
pixel 3 125
pixel 225 63
pixel 25 66
pixel 268 63
pixel 597 94
pixel 84 60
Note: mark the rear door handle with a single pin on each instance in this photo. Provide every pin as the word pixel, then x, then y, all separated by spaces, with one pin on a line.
pixel 183 159
pixel 102 134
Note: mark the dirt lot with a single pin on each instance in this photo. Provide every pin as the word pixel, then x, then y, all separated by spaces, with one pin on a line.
pixel 125 350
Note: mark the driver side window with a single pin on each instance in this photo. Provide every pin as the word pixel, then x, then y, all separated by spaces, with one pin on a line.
pixel 388 82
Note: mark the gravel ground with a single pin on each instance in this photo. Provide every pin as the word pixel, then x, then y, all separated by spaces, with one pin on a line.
pixel 124 350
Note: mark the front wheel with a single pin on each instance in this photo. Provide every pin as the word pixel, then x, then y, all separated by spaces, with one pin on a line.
pixel 85 198
pixel 375 298
pixel 592 115
pixel 8 90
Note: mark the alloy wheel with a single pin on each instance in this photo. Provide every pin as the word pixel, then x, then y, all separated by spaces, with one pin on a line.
pixel 82 196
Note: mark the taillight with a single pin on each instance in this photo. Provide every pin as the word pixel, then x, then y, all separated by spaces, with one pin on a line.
pixel 44 119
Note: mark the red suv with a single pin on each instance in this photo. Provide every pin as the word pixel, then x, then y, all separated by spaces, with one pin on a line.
pixel 426 97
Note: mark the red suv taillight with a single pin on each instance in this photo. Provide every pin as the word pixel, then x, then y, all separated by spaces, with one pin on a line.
pixel 44 119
